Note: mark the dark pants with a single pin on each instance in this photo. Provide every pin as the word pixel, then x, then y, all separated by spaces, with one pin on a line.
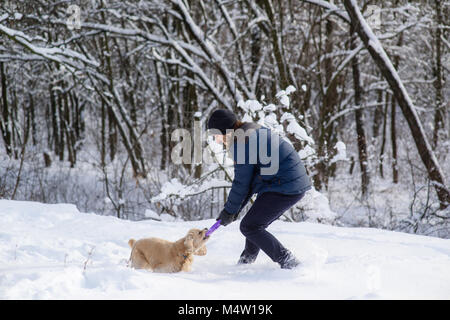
pixel 267 208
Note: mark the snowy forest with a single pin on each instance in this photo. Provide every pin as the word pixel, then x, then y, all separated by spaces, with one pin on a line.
pixel 97 95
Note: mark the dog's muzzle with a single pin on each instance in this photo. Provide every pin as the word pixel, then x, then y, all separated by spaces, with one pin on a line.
pixel 205 237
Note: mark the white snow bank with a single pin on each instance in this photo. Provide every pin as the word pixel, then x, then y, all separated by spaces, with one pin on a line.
pixel 56 252
pixel 175 188
pixel 315 207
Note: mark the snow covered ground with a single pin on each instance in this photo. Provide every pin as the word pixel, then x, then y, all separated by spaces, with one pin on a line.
pixel 56 252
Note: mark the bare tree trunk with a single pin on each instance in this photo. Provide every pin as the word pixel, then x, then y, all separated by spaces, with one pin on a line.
pixel 439 122
pixel 6 123
pixel 112 135
pixel 14 123
pixel 383 139
pixel 393 120
pixel 275 36
pixel 394 142
pixel 70 132
pixel 22 153
pixel 383 62
pixel 190 103
pixel 378 116
pixel 255 45
pixel 361 134
pixel 32 120
pixel 55 127
pixel 103 135
pixel 162 115
pixel 60 120
pixel 327 134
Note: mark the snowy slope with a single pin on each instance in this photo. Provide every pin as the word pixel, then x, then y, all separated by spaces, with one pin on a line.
pixel 56 252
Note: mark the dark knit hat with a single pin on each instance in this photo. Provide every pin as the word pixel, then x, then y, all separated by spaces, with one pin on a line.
pixel 222 120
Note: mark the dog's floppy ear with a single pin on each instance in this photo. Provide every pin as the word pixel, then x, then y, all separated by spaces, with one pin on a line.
pixel 201 251
pixel 189 242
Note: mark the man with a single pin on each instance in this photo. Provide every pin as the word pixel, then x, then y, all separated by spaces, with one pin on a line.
pixel 279 183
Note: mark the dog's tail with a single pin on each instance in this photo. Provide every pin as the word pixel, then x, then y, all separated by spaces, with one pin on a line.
pixel 131 242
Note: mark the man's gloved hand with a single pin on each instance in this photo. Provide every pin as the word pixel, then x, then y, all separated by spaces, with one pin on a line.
pixel 226 218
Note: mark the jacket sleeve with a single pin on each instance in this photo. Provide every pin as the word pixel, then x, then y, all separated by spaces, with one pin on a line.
pixel 247 198
pixel 240 189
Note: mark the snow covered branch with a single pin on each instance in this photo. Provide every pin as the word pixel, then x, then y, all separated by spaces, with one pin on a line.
pixel 65 56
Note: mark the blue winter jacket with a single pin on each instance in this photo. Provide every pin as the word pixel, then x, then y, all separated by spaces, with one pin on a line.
pixel 263 162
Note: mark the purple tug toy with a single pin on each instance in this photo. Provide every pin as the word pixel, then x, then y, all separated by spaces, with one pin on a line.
pixel 213 228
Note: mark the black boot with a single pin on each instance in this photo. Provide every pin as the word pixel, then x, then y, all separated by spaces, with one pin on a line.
pixel 245 259
pixel 289 261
